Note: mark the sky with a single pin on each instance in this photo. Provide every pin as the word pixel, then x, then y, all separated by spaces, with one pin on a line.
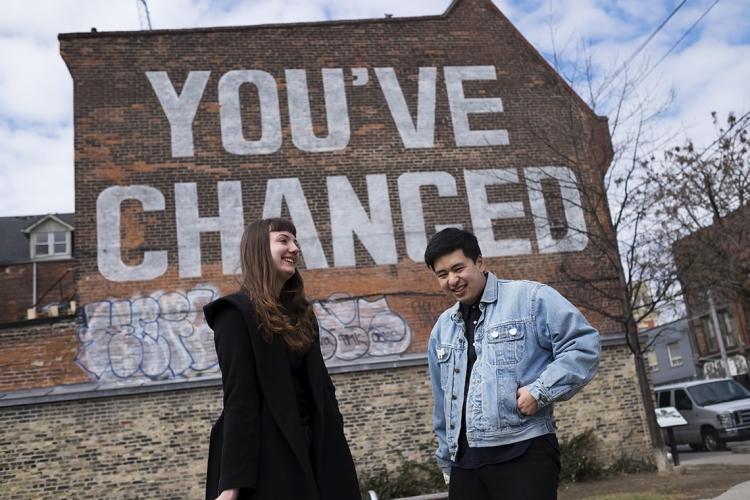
pixel 706 68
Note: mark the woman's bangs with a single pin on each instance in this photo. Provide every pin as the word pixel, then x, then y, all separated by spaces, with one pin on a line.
pixel 282 225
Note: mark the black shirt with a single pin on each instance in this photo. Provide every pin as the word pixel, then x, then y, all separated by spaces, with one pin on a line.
pixel 302 390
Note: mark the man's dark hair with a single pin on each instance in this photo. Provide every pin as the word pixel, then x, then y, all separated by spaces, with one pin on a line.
pixel 449 240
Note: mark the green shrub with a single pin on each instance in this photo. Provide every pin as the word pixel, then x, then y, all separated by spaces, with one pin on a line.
pixel 579 463
pixel 411 478
pixel 577 459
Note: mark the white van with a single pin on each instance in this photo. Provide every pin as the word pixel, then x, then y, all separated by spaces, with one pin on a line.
pixel 716 410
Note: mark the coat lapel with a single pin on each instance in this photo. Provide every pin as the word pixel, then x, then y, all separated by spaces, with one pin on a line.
pixel 276 383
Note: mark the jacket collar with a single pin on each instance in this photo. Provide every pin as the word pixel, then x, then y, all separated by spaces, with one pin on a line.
pixel 488 296
pixel 490 289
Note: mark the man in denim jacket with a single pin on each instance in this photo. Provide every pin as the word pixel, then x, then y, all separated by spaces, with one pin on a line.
pixel 498 360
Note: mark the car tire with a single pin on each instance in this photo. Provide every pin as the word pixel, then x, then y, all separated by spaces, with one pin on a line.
pixel 711 440
pixel 696 446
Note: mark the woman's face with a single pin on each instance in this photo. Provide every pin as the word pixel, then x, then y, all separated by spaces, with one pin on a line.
pixel 284 253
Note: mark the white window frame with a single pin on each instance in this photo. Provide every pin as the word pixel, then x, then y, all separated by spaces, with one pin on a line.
pixel 710 335
pixel 730 341
pixel 653 361
pixel 37 239
pixel 675 359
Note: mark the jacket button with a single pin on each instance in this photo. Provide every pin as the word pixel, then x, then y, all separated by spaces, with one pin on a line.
pixel 456 370
pixel 453 396
pixel 453 426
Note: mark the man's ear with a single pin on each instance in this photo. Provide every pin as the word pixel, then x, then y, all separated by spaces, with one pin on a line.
pixel 481 264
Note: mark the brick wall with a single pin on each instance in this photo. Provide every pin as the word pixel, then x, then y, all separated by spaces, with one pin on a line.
pixel 155 445
pixel 145 182
pixel 610 405
pixel 55 279
pixel 39 354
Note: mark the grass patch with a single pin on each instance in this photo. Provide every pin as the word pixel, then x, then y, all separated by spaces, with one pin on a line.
pixel 630 496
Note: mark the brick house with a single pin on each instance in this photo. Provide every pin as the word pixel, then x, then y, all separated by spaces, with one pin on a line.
pixel 643 299
pixel 370 135
pixel 36 267
pixel 717 259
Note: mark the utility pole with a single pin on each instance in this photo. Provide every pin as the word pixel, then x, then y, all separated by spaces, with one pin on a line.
pixel 717 329
pixel 143 14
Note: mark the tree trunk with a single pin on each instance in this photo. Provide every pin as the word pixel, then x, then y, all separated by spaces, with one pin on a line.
pixel 657 441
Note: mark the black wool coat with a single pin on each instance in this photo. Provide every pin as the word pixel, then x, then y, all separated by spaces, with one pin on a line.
pixel 258 442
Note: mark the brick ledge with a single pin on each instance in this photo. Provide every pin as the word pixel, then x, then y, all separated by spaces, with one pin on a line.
pixel 95 390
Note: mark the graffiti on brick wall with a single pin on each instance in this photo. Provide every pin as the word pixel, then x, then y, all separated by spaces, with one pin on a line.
pixel 164 336
pixel 737 365
pixel 355 328
pixel 156 337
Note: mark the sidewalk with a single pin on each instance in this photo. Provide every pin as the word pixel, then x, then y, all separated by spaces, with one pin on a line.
pixel 739 492
pixel 737 455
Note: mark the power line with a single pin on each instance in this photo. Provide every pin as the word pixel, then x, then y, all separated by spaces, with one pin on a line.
pixel 687 32
pixel 643 45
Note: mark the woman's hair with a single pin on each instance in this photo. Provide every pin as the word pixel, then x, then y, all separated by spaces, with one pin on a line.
pixel 290 315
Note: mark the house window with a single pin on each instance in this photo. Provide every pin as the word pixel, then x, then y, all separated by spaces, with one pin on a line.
pixel 653 363
pixel 675 356
pixel 726 324
pixel 50 243
pixel 725 319
pixel 712 345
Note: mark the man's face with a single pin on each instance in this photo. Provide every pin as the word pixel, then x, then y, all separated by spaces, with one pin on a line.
pixel 460 277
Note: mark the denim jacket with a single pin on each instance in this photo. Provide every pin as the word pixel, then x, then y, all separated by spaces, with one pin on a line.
pixel 528 335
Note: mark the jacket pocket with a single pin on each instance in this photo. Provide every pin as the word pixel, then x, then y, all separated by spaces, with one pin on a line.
pixel 446 360
pixel 505 343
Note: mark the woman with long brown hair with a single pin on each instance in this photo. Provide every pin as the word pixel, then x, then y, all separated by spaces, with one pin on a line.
pixel 280 435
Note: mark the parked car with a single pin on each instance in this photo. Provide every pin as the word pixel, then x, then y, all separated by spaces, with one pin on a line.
pixel 716 410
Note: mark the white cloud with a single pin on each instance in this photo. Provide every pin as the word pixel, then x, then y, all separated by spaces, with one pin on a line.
pixel 37 171
pixel 709 77
pixel 399 8
pixel 34 86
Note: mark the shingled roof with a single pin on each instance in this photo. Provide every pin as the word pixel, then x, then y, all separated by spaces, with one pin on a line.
pixel 14 242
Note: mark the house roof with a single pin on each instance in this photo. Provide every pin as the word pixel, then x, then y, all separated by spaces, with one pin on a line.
pixel 667 333
pixel 14 240
pixel 42 219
